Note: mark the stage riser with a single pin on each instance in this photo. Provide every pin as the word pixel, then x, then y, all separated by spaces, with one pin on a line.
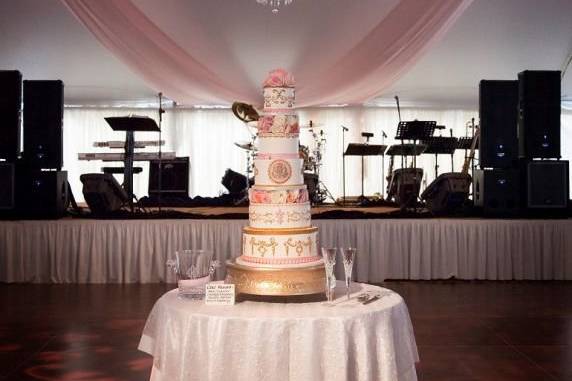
pixel 119 251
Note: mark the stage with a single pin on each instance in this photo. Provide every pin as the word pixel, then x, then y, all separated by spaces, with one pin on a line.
pixel 78 250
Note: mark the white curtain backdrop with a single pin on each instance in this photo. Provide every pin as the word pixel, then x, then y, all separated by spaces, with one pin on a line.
pixel 207 137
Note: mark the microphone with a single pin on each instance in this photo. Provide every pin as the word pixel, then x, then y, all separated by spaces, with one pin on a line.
pixel 345 128
pixel 383 134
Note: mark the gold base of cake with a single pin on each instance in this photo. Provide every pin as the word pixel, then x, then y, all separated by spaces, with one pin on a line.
pixel 276 282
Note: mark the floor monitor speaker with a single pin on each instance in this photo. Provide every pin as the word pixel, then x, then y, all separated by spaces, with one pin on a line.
pixel 43 121
pixel 539 114
pixel 102 193
pixel 10 111
pixel 498 114
pixel 447 193
pixel 497 191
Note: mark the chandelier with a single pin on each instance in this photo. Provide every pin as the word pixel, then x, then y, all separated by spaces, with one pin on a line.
pixel 274 4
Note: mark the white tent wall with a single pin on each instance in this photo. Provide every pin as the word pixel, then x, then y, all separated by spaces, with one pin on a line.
pixel 207 137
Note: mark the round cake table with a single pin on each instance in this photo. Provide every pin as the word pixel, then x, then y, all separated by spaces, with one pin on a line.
pixel 253 340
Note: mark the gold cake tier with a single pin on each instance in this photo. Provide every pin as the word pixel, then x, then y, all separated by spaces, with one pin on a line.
pixel 279 231
pixel 276 281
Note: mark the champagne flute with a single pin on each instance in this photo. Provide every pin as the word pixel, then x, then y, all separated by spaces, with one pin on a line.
pixel 348 257
pixel 329 256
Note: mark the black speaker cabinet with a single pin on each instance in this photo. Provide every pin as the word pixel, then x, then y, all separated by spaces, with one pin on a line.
pixel 10 111
pixel 7 185
pixel 174 177
pixel 497 191
pixel 498 114
pixel 539 114
pixel 41 194
pixel 43 121
pixel 547 184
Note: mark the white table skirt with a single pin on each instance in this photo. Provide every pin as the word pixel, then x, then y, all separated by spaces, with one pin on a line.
pixel 116 251
pixel 281 341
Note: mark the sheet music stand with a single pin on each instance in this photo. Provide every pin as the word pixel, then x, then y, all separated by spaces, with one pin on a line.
pixel 130 124
pixel 406 149
pixel 363 149
pixel 441 145
pixel 415 130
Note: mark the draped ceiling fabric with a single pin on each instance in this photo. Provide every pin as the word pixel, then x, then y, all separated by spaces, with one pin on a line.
pixel 216 52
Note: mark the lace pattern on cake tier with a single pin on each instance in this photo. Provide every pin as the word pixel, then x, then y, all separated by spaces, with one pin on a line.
pixel 298 245
pixel 280 217
pixel 278 96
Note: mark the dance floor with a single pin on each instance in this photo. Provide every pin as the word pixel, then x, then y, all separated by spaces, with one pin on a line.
pixel 465 330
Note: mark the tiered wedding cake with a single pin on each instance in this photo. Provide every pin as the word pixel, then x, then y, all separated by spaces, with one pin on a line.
pixel 280 234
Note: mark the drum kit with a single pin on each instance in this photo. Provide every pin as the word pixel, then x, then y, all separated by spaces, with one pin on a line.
pixel 312 157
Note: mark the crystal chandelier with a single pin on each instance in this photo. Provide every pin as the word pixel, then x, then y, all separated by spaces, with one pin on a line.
pixel 275 4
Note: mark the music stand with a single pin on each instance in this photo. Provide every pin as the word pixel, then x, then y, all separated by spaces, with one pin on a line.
pixel 130 124
pixel 363 149
pixel 415 130
pixel 441 145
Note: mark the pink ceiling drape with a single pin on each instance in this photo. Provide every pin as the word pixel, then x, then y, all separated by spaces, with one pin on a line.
pixel 362 72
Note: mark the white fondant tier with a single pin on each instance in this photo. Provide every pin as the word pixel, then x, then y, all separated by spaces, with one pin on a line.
pixel 279 216
pixel 278 125
pixel 278 98
pixel 273 145
pixel 296 194
pixel 278 172
pixel 268 245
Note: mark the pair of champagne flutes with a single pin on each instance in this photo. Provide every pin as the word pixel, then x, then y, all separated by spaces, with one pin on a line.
pixel 329 255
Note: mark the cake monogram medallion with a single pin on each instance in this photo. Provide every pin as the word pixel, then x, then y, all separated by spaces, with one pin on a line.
pixel 279 171
pixel 280 246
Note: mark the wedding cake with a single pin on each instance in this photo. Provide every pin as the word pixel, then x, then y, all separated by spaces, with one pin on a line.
pixel 280 234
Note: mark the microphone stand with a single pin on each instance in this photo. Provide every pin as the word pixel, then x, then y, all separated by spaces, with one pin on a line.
pixel 344 129
pixel 160 179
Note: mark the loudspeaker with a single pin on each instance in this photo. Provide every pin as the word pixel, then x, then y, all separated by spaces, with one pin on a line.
pixel 498 114
pixel 102 193
pixel 539 114
pixel 448 192
pixel 7 185
pixel 547 184
pixel 41 194
pixel 497 191
pixel 10 111
pixel 43 121
pixel 174 177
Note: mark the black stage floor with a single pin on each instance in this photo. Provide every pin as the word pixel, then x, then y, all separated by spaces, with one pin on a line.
pixel 472 330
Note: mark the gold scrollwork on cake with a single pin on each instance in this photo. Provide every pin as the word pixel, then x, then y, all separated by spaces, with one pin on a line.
pixel 262 246
pixel 298 245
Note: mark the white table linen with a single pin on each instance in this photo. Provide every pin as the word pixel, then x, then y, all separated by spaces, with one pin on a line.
pixel 282 341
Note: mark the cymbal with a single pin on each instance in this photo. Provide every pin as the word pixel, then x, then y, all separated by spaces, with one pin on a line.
pixel 245 146
pixel 245 112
